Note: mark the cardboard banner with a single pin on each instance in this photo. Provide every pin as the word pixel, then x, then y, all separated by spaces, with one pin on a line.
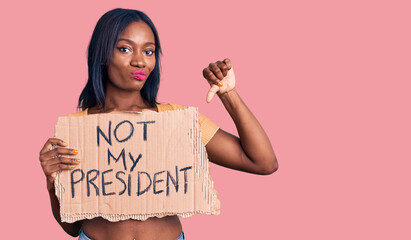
pixel 135 166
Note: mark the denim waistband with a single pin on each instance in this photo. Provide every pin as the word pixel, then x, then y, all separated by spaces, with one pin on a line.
pixel 83 236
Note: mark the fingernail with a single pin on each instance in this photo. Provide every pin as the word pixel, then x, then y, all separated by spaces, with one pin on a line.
pixel 73 166
pixel 77 160
pixel 75 151
pixel 65 144
pixel 220 84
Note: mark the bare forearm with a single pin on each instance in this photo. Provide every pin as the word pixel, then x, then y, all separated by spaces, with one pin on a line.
pixel 72 229
pixel 253 138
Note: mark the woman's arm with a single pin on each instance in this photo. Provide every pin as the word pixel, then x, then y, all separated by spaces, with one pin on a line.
pixel 51 162
pixel 252 151
pixel 72 229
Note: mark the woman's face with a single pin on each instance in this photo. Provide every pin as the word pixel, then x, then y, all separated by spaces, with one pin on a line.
pixel 133 58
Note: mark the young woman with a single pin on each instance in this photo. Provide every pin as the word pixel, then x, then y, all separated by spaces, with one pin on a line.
pixel 123 61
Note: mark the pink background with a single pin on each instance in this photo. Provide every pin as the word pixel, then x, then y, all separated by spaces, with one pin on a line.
pixel 329 81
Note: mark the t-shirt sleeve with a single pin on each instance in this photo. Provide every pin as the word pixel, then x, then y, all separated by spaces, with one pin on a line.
pixel 82 113
pixel 207 127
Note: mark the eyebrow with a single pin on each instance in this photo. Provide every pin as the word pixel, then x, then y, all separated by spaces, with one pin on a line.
pixel 132 42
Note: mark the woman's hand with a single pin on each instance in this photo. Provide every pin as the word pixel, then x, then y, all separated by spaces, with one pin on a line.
pixel 220 76
pixel 51 159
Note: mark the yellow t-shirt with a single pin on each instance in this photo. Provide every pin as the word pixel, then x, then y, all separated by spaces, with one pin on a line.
pixel 207 127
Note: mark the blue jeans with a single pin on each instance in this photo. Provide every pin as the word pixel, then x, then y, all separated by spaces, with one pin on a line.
pixel 83 236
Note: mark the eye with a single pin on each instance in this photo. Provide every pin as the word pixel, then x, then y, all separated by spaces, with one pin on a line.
pixel 149 52
pixel 124 49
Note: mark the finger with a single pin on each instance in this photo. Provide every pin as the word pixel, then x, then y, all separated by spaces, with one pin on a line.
pixel 210 76
pixel 227 61
pixel 57 151
pixel 50 142
pixel 51 170
pixel 58 160
pixel 213 90
pixel 223 67
pixel 216 70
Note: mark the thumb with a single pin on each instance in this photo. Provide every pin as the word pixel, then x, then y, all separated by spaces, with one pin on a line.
pixel 213 90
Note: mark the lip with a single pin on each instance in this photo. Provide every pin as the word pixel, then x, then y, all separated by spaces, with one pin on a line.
pixel 139 75
pixel 139 72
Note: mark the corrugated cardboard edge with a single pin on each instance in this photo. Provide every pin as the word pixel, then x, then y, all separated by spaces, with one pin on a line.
pixel 209 191
pixel 120 217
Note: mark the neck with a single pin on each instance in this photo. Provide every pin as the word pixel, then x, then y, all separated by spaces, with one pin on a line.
pixel 124 101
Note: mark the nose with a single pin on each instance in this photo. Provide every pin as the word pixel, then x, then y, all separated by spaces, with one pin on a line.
pixel 138 60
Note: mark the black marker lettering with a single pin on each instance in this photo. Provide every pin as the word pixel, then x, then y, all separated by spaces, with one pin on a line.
pixel 134 161
pixel 139 183
pixel 129 135
pixel 157 181
pixel 185 177
pixel 122 181
pixel 100 132
pixel 103 183
pixel 75 182
pixel 90 181
pixel 145 128
pixel 173 180
pixel 129 185
pixel 122 154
